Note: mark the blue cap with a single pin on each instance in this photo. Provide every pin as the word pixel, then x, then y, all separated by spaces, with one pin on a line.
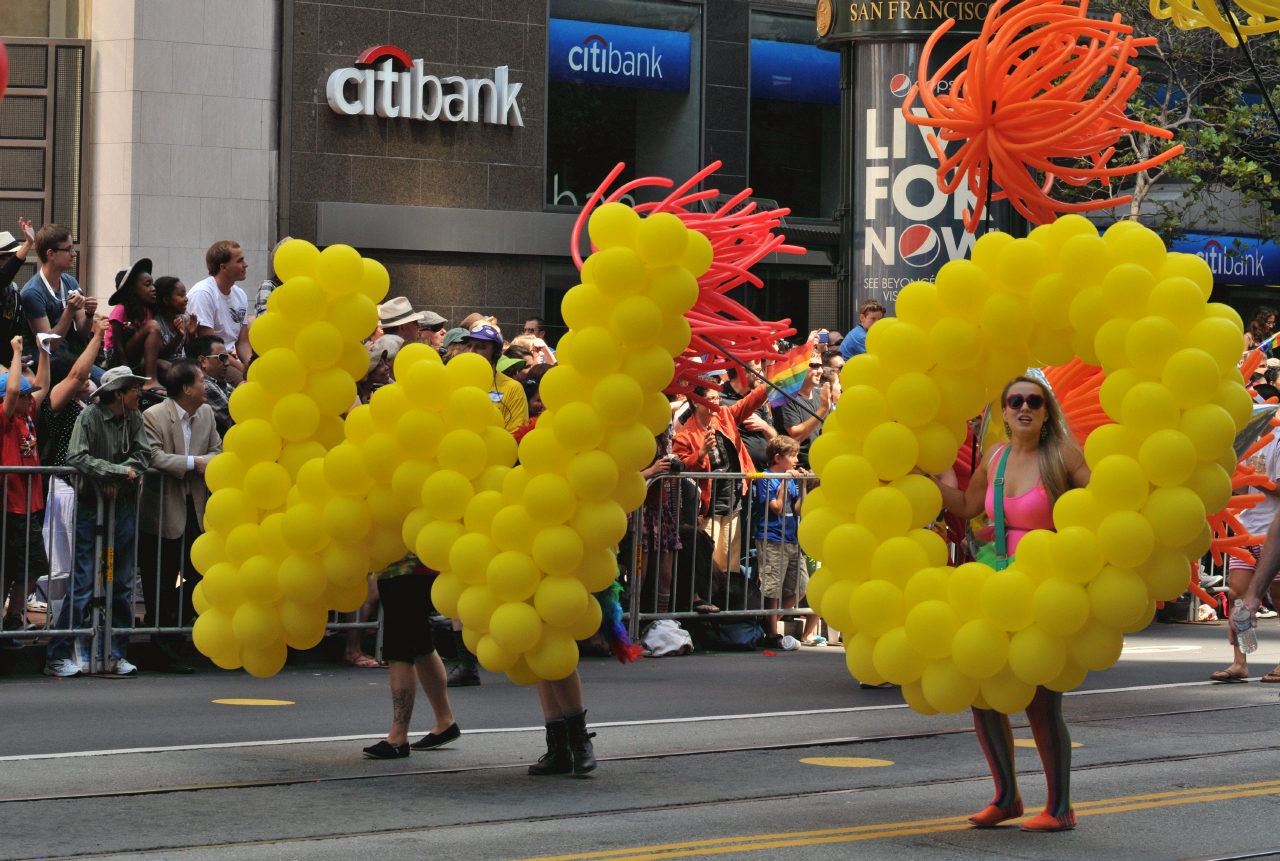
pixel 484 332
pixel 26 389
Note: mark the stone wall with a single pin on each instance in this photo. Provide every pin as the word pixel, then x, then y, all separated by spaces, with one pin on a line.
pixel 182 138
pixel 406 162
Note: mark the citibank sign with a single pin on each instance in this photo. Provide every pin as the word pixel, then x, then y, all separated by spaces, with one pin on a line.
pixel 386 83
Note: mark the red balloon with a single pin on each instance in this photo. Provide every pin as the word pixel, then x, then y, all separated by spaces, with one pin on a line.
pixel 4 70
pixel 1029 94
pixel 740 237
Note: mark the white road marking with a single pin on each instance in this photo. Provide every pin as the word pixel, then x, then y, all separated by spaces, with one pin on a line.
pixel 702 719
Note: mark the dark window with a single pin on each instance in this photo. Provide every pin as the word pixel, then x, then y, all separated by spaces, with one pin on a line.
pixel 623 84
pixel 795 114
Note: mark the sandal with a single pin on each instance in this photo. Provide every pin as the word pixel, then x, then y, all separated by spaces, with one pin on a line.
pixel 364 662
pixel 1230 677
pixel 703 607
pixel 814 641
pixel 1272 677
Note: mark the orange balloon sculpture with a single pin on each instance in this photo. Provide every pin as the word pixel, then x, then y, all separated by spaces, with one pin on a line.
pixel 1029 94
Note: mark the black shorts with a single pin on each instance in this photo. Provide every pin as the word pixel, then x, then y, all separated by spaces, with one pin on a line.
pixel 406 618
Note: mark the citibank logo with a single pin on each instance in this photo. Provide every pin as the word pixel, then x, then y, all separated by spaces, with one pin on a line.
pixel 919 246
pixel 1247 261
pixel 386 83
pixel 899 84
pixel 599 56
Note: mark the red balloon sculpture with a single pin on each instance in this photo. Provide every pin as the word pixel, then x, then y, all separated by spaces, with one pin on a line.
pixel 1042 82
pixel 4 70
pixel 741 235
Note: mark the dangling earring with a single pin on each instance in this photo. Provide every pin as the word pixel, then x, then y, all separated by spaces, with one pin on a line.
pixel 1044 432
pixel 1008 431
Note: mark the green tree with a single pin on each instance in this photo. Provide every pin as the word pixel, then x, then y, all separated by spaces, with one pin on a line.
pixel 1202 90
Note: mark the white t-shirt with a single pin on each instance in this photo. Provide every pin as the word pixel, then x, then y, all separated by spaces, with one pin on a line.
pixel 224 314
pixel 1267 461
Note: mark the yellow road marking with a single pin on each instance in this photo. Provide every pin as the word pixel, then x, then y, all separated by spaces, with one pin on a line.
pixel 248 702
pixel 846 761
pixel 1031 742
pixel 753 843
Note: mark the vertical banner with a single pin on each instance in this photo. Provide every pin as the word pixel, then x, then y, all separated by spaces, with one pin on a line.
pixel 904 227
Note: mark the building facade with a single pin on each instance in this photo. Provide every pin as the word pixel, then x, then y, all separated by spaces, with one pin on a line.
pixel 456 141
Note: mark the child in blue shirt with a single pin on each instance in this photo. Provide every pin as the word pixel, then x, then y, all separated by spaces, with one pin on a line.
pixel 783 574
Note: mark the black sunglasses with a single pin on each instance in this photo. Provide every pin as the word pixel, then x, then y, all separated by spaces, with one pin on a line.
pixel 1015 402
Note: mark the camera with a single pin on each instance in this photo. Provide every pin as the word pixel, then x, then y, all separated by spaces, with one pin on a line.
pixel 677 465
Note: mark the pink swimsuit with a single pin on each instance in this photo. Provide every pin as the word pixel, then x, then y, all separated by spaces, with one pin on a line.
pixel 1022 513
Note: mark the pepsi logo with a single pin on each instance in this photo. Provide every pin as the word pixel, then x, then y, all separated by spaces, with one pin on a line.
pixel 918 246
pixel 899 84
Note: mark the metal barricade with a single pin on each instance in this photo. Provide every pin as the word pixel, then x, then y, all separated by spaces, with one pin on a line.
pixel 714 559
pixel 45 596
pixel 79 565
pixel 156 565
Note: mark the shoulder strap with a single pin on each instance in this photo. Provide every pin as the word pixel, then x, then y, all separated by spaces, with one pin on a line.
pixel 1002 556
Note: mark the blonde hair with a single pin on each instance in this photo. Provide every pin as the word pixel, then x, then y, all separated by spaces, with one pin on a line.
pixel 525 341
pixel 1053 467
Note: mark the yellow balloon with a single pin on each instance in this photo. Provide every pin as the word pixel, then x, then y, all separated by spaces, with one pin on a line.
pixel 1149 407
pixel 891 449
pixel 302 578
pixel 515 626
pixel 930 628
pixel 1174 513
pixel 895 659
pixel 1036 656
pixel 1211 430
pixel 946 688
pixel 876 607
pixel 256 626
pixel 319 345
pixel 212 633
pixel 557 550
pixel 561 601
pixel 445 593
pixel 886 511
pixel 555 657
pixel 914 399
pixel 1061 607
pixel 1118 598
pixel 295 257
pixel 225 470
pixel 1076 554
pixel 445 494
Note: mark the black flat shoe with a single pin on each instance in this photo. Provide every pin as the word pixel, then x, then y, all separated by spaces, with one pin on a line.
pixel 431 741
pixel 386 750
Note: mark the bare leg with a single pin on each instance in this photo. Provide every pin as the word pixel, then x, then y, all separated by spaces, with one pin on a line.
pixel 404 687
pixel 434 682
pixel 364 614
pixel 564 696
pixel 151 344
pixel 1237 581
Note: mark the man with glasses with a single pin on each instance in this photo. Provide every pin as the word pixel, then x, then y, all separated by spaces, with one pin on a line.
pixel 52 300
pixel 800 424
pixel 210 352
pixel 537 328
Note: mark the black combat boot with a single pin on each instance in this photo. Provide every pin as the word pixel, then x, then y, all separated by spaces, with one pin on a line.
pixel 584 756
pixel 557 759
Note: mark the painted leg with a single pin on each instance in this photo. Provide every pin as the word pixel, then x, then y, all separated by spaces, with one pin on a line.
pixel 996 737
pixel 1053 741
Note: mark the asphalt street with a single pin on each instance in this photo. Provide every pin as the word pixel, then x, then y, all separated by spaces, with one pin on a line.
pixel 726 755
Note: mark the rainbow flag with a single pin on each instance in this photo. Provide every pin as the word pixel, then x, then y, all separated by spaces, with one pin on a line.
pixel 787 374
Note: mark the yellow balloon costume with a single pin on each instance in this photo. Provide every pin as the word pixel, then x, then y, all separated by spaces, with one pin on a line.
pixel 956 637
pixel 305 505
pixel 1263 16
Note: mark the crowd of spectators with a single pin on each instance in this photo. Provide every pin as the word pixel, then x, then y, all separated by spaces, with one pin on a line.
pixel 147 386
pixel 143 387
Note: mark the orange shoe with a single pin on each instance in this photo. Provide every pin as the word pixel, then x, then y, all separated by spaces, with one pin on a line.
pixel 993 815
pixel 1048 822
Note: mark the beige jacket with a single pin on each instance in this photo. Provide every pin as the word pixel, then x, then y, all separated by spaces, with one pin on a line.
pixel 170 490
